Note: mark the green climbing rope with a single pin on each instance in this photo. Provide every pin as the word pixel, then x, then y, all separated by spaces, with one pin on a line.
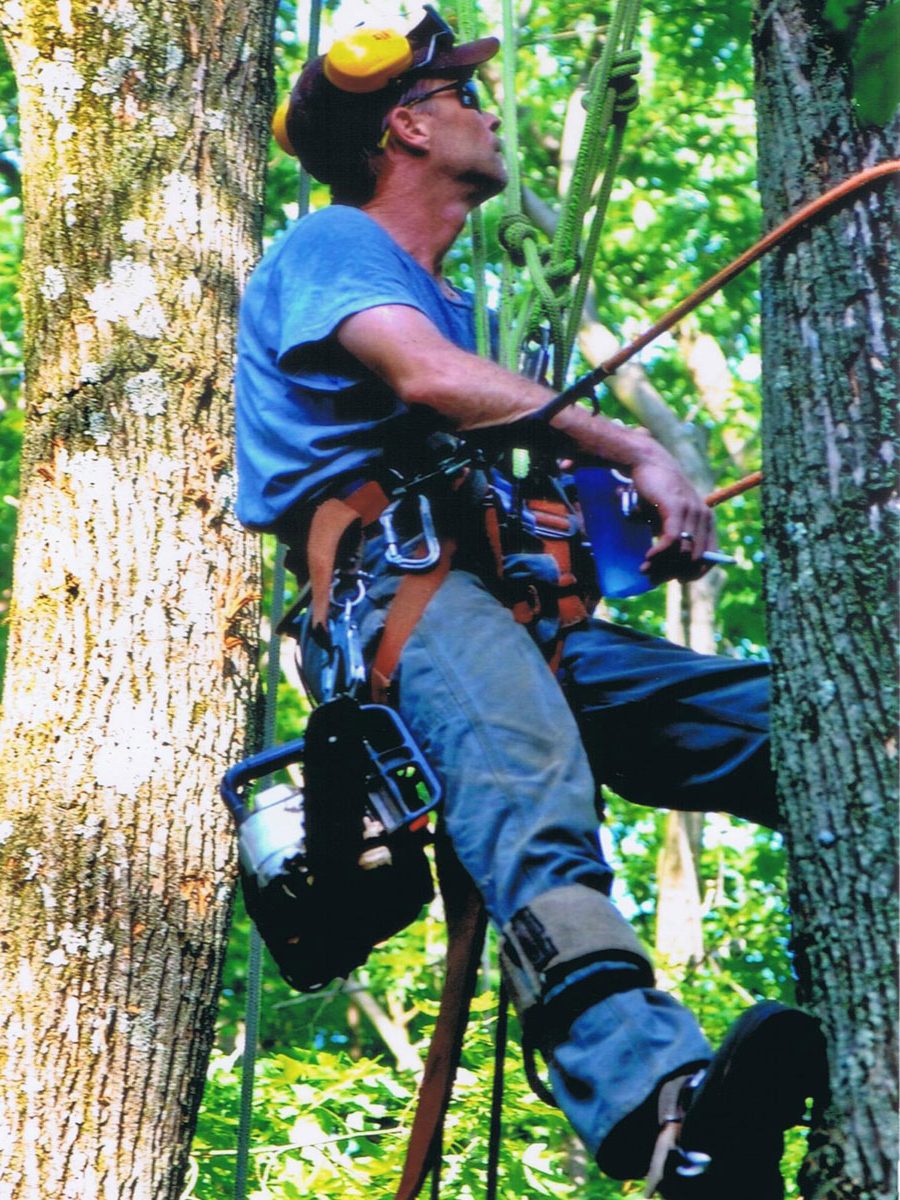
pixel 509 346
pixel 468 31
pixel 550 269
pixel 620 96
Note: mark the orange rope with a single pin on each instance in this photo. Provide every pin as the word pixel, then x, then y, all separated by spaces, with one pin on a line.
pixel 734 489
pixel 585 386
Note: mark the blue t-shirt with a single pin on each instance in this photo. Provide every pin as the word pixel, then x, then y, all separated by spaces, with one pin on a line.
pixel 310 417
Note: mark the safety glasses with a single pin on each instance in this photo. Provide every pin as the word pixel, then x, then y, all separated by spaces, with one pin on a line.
pixel 465 90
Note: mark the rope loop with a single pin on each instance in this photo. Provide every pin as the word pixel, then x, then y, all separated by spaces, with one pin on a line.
pixel 515 229
pixel 559 274
pixel 626 65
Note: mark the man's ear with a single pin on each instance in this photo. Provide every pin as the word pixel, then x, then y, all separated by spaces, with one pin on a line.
pixel 408 128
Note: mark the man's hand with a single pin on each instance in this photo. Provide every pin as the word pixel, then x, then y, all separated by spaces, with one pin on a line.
pixel 686 529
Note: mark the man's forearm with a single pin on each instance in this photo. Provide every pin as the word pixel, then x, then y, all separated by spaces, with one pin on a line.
pixel 405 349
pixel 402 346
pixel 474 393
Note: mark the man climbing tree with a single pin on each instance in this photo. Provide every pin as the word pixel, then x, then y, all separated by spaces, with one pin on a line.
pixel 131 632
pixel 827 101
pixel 356 379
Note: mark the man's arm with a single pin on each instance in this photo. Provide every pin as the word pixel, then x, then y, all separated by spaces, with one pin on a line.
pixel 402 346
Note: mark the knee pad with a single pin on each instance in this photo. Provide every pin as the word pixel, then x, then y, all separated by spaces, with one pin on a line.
pixel 566 950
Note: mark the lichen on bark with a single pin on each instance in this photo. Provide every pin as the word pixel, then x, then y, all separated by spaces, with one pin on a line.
pixel 132 644
pixel 830 355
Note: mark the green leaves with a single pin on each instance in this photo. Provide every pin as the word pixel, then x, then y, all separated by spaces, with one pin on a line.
pixel 871 43
pixel 842 14
pixel 876 67
pixel 11 415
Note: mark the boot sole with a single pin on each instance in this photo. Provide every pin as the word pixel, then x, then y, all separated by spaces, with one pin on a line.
pixel 758 1083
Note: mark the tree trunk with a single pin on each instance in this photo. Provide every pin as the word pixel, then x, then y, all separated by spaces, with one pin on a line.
pixel 132 643
pixel 830 330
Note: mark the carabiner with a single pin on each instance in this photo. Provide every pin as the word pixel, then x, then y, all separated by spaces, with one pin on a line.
pixel 345 671
pixel 629 500
pixel 401 557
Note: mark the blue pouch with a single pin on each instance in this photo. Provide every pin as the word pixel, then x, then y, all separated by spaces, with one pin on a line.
pixel 619 538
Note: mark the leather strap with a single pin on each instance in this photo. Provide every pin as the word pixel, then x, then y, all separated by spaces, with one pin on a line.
pixel 552 515
pixel 408 604
pixel 329 523
pixel 466 924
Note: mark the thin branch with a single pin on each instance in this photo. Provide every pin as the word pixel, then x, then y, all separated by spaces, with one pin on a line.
pixel 287 1147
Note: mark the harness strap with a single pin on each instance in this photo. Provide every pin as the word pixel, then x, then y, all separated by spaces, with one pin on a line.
pixel 407 606
pixel 554 519
pixel 329 523
pixel 466 924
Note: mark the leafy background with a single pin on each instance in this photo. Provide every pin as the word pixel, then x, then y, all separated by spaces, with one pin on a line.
pixel 11 414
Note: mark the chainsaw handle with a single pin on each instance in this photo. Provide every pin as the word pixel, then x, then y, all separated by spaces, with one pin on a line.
pixel 238 778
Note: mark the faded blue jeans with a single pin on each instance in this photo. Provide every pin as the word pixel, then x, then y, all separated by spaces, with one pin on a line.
pixel 521 757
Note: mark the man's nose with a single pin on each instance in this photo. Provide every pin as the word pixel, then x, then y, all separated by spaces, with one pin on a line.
pixel 493 121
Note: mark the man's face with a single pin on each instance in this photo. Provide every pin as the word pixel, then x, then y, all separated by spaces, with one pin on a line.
pixel 465 142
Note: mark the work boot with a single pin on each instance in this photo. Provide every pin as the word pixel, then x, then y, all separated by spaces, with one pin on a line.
pixel 725 1139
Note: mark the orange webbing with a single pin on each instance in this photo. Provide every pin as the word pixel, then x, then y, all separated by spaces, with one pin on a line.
pixel 407 606
pixel 329 523
pixel 554 515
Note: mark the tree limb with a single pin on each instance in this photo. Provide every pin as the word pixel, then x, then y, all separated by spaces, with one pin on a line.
pixel 391 1032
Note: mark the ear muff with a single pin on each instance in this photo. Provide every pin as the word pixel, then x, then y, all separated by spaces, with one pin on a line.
pixel 279 127
pixel 367 60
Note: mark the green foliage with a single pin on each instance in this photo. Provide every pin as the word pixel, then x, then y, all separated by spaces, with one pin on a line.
pixel 326 1126
pixel 867 35
pixel 843 15
pixel 876 66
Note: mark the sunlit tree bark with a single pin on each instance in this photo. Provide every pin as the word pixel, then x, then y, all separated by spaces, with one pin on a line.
pixel 132 624
pixel 830 330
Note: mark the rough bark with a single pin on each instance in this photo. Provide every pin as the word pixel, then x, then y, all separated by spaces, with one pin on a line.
pixel 132 623
pixel 830 335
